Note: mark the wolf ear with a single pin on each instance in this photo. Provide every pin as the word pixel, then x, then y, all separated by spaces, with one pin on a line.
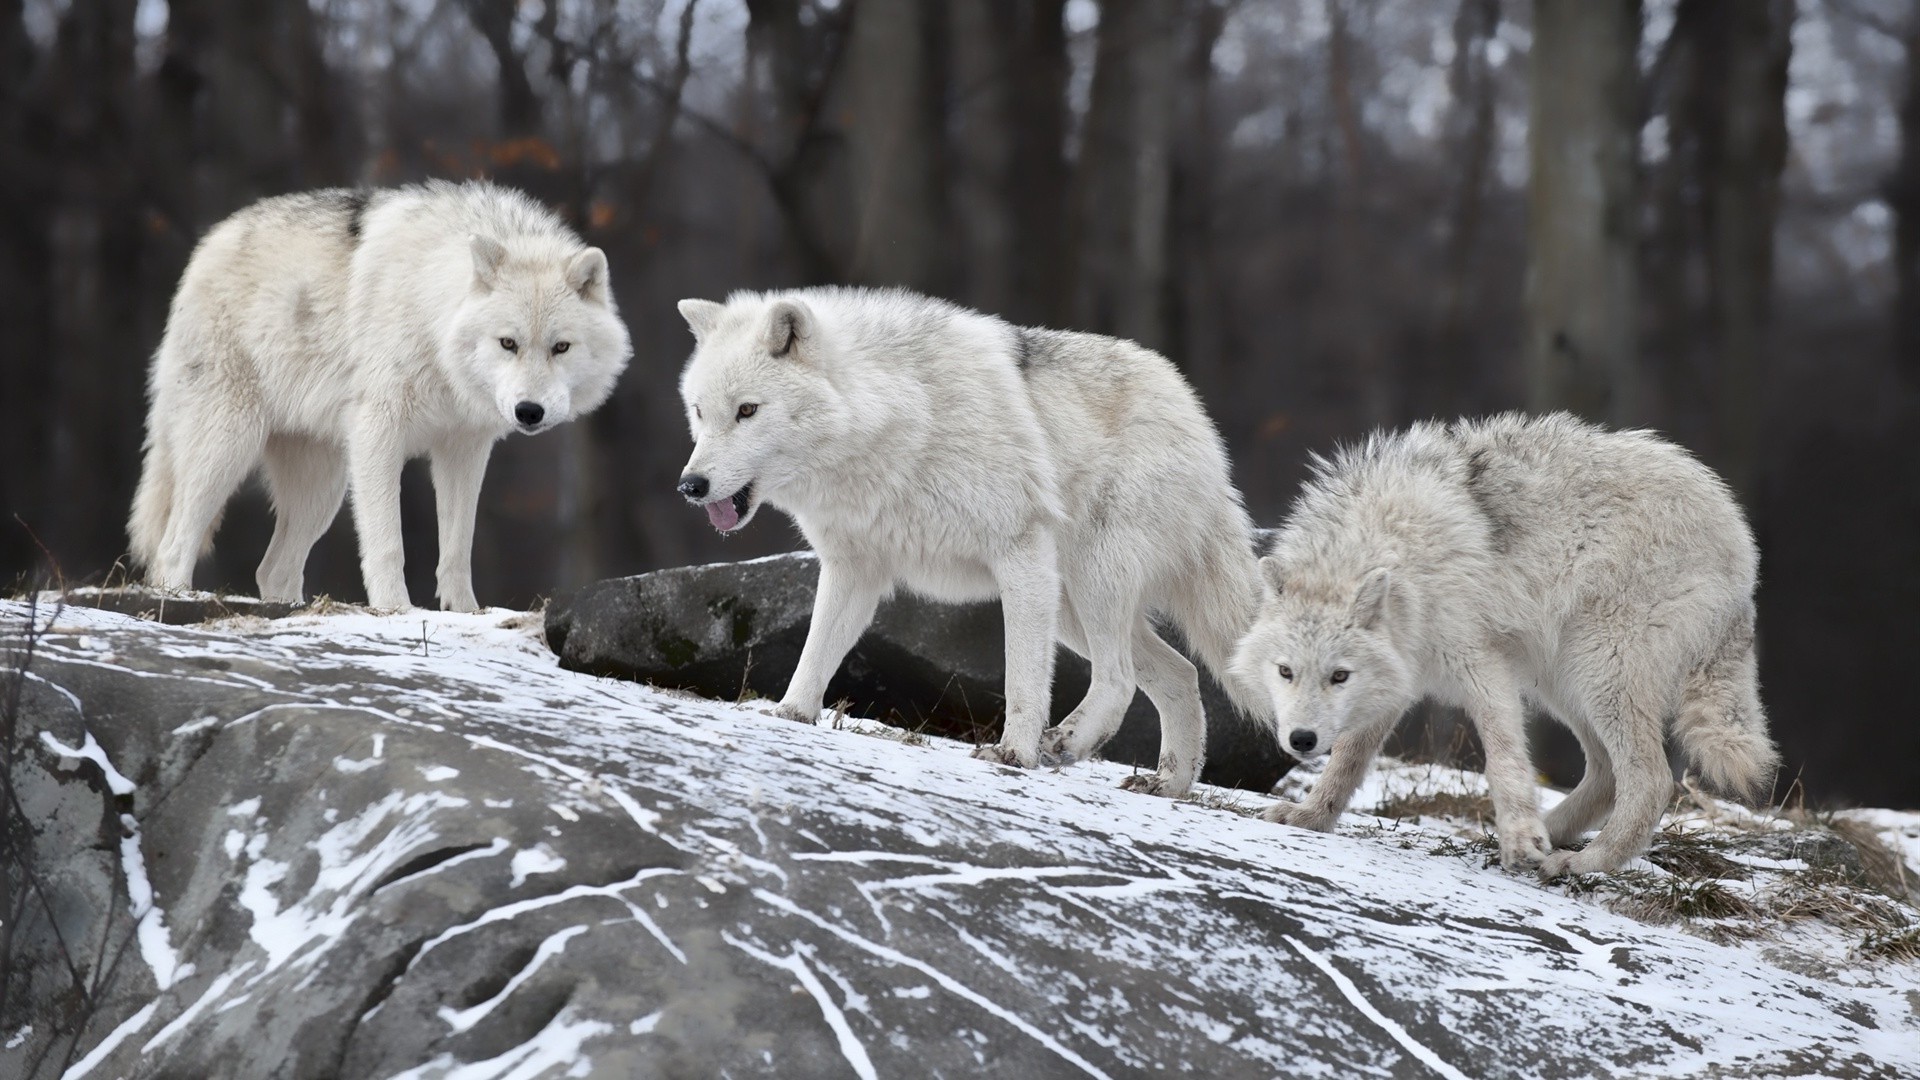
pixel 587 275
pixel 488 254
pixel 701 315
pixel 788 324
pixel 1274 574
pixel 1370 602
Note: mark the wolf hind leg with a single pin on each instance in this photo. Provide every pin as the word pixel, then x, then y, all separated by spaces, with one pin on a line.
pixel 1633 736
pixel 1101 617
pixel 1172 683
pixel 1591 799
pixel 211 456
pixel 307 480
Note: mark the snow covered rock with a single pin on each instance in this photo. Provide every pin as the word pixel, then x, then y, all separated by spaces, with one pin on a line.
pixel 415 846
pixel 727 630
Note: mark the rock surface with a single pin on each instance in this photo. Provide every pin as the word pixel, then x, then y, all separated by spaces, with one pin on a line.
pixel 729 629
pixel 414 846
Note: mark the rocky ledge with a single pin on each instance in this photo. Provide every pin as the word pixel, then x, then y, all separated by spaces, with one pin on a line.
pixel 416 846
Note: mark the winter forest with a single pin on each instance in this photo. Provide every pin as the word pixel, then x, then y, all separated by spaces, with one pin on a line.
pixel 1699 216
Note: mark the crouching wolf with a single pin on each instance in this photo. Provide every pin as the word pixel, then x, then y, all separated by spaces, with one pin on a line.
pixel 330 336
pixel 1606 577
pixel 922 445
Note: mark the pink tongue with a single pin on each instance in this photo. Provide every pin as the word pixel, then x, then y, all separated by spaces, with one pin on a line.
pixel 723 515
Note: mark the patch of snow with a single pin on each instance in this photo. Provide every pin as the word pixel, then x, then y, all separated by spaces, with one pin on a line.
pixel 88 750
pixel 463 1019
pixel 214 991
pixel 642 1026
pixel 850 1047
pixel 108 1045
pixel 558 1044
pixel 1352 993
pixel 538 859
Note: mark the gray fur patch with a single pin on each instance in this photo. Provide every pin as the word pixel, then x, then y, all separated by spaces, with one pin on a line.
pixel 1480 488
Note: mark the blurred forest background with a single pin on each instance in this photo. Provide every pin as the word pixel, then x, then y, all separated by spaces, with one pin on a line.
pixel 1701 216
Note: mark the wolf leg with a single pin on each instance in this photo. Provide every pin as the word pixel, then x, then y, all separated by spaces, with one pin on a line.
pixel 1101 618
pixel 375 456
pixel 459 464
pixel 1353 752
pixel 1634 741
pixel 1029 578
pixel 1173 684
pixel 211 456
pixel 307 480
pixel 1494 706
pixel 1591 798
pixel 843 607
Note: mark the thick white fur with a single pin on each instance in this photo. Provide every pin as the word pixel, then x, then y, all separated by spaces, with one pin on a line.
pixel 1606 577
pixel 330 336
pixel 921 445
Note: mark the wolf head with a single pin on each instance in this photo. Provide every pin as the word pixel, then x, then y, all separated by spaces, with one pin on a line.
pixel 1326 659
pixel 754 387
pixel 537 335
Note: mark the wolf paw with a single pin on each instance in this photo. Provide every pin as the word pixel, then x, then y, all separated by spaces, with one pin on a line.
pixel 1573 864
pixel 1002 754
pixel 797 714
pixel 1524 845
pixel 1299 816
pixel 1153 784
pixel 1054 750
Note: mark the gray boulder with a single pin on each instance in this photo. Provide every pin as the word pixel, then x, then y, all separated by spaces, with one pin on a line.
pixel 352 847
pixel 729 630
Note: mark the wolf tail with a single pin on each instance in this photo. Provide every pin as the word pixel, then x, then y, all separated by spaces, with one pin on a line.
pixel 152 501
pixel 1720 725
pixel 1217 606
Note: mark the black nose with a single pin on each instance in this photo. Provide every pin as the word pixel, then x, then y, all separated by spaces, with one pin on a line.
pixel 693 486
pixel 1302 741
pixel 528 412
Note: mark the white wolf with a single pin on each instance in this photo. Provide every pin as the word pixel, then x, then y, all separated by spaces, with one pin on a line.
pixel 918 444
pixel 1605 576
pixel 332 335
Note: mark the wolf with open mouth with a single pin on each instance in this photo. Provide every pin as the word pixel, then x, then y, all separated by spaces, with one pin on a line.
pixel 924 446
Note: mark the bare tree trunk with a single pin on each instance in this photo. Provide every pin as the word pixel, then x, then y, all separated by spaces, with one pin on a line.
pixel 1193 285
pixel 1471 79
pixel 1582 295
pixel 1360 333
pixel 94 265
pixel 1744 147
pixel 1125 173
pixel 1903 196
pixel 24 257
pixel 519 104
pixel 897 139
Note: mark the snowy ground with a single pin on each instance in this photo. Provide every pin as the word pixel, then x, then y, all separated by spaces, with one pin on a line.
pixel 933 911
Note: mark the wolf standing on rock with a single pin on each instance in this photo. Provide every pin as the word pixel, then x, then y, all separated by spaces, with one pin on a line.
pixel 332 335
pixel 1605 576
pixel 918 444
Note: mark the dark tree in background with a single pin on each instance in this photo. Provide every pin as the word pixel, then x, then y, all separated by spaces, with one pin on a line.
pixel 1698 215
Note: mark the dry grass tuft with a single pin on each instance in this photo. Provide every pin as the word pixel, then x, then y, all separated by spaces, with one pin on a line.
pixel 1439 804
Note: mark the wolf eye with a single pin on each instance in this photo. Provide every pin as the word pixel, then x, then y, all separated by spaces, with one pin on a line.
pixel 1339 676
pixel 561 346
pixel 509 344
pixel 748 409
pixel 1286 672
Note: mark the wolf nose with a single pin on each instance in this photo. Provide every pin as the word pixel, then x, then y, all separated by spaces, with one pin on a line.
pixel 1302 741
pixel 693 486
pixel 528 413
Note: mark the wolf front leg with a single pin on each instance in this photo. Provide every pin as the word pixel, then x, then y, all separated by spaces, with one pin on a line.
pixel 1029 577
pixel 375 456
pixel 459 465
pixel 1347 763
pixel 843 607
